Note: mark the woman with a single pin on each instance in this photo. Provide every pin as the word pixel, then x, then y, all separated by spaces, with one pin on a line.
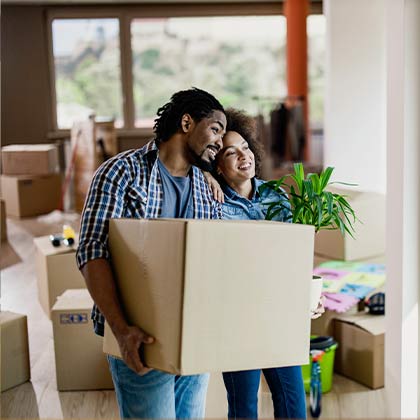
pixel 238 162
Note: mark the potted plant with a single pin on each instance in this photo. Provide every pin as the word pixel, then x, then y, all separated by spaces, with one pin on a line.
pixel 311 203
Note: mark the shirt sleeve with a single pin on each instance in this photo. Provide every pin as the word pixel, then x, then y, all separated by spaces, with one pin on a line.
pixel 217 210
pixel 105 200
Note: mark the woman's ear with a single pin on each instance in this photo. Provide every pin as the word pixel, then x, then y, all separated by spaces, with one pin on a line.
pixel 186 123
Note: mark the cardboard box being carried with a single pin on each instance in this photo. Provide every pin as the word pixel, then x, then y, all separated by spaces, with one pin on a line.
pixel 29 159
pixel 369 239
pixel 80 362
pixel 56 271
pixel 27 196
pixel 360 352
pixel 15 368
pixel 203 288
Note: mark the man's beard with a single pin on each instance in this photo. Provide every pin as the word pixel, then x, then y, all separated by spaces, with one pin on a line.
pixel 197 160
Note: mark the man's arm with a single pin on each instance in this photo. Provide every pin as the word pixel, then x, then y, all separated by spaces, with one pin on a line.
pixel 106 200
pixel 101 285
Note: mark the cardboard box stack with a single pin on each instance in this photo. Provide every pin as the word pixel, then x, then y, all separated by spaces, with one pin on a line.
pixel 370 233
pixel 93 141
pixel 30 183
pixel 56 271
pixel 15 368
pixel 189 283
pixel 80 362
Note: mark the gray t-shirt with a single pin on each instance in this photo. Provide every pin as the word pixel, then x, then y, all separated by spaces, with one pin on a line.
pixel 177 195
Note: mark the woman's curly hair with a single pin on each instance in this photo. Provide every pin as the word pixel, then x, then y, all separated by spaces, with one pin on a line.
pixel 246 126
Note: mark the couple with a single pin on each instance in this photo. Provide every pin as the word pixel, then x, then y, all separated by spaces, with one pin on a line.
pixel 164 179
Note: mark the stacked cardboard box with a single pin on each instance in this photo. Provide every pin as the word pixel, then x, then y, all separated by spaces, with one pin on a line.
pixel 30 184
pixel 93 142
pixel 369 239
pixel 80 362
pixel 213 273
pixel 56 271
pixel 15 368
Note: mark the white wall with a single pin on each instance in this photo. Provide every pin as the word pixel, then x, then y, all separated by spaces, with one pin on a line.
pixel 355 142
pixel 402 381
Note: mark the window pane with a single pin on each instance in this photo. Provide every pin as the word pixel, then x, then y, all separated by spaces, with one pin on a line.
pixel 316 27
pixel 87 69
pixel 235 58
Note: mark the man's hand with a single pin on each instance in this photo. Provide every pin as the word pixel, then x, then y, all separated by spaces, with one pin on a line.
pixel 320 308
pixel 130 342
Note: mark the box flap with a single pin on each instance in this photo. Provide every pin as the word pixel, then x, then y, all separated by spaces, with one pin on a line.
pixel 73 299
pixel 44 244
pixel 7 316
pixel 374 324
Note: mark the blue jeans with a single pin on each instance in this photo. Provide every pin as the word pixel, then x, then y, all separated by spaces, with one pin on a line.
pixel 157 394
pixel 286 386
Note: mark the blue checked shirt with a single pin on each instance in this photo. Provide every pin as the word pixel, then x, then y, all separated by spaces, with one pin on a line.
pixel 129 186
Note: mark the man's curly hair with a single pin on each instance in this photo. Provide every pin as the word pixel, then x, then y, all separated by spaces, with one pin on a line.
pixel 195 102
pixel 246 126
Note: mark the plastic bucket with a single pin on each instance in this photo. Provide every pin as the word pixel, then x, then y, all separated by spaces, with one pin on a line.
pixel 328 345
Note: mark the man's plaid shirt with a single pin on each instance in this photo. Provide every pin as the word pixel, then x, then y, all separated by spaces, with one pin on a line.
pixel 129 186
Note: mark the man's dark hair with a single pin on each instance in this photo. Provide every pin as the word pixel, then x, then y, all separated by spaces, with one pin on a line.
pixel 246 126
pixel 195 102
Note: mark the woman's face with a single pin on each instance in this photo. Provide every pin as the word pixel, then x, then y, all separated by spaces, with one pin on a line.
pixel 235 162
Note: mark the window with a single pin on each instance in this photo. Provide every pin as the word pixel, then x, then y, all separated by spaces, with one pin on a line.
pixel 240 59
pixel 316 27
pixel 87 69
pixel 235 58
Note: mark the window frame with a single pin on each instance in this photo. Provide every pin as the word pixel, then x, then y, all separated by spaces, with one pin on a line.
pixel 125 15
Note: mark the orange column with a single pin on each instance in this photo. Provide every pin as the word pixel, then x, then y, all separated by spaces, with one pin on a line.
pixel 296 12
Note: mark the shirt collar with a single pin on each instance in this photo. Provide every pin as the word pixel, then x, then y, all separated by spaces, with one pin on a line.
pixel 232 194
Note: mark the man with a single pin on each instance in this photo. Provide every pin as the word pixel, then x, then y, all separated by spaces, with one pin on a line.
pixel 161 179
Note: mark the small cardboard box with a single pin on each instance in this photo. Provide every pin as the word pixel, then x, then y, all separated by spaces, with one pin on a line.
pixel 15 368
pixel 28 196
pixel 369 239
pixel 56 271
pixel 80 362
pixel 203 288
pixel 360 352
pixel 29 159
pixel 3 226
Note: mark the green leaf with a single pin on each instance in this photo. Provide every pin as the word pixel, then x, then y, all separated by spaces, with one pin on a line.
pixel 325 177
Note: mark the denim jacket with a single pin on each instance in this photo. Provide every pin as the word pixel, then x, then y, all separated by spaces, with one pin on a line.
pixel 237 207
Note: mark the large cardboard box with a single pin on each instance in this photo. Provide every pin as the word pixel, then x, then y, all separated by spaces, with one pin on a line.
pixel 3 226
pixel 93 142
pixel 369 239
pixel 79 360
pixel 216 295
pixel 29 159
pixel 15 368
pixel 360 351
pixel 27 196
pixel 56 271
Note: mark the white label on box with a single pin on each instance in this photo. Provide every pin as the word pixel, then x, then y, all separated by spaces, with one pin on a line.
pixel 74 318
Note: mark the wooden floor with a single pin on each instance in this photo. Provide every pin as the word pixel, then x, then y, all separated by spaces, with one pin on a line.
pixel 40 398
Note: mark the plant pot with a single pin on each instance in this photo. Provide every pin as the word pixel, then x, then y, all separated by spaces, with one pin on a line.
pixel 316 290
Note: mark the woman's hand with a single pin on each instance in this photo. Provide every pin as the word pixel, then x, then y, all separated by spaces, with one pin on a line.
pixel 320 308
pixel 215 187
